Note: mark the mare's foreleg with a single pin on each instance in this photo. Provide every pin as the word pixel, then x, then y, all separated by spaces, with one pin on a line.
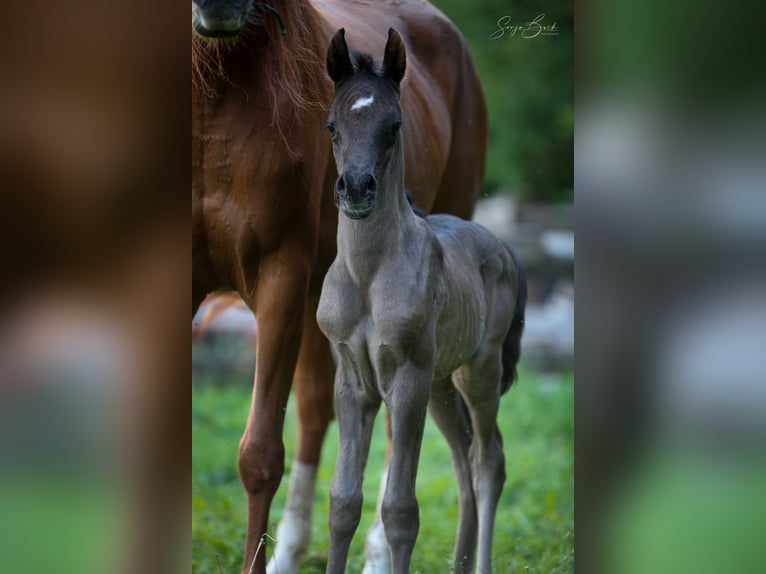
pixel 480 386
pixel 314 377
pixel 355 422
pixel 451 416
pixel 279 302
pixel 407 402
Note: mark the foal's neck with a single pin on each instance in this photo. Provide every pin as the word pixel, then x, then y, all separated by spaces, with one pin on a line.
pixel 366 243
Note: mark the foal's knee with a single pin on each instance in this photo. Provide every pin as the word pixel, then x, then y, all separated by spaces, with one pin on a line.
pixel 401 520
pixel 345 511
pixel 261 465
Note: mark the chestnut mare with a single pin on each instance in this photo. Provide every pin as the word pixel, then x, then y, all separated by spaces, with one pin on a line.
pixel 264 218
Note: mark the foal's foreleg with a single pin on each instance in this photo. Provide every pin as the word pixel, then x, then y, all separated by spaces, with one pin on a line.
pixel 450 415
pixel 314 376
pixel 355 421
pixel 407 402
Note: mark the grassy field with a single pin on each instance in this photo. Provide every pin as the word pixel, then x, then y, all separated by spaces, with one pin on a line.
pixel 535 523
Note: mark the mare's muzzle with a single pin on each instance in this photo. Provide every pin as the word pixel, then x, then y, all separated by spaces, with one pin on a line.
pixel 225 18
pixel 356 194
pixel 219 18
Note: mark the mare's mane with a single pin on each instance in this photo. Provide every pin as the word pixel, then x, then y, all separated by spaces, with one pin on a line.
pixel 288 65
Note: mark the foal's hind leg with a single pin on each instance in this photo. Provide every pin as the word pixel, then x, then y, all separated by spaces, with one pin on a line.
pixel 449 412
pixel 480 386
pixel 314 376
pixel 377 552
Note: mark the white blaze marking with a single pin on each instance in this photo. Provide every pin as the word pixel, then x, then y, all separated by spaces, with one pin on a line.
pixel 362 102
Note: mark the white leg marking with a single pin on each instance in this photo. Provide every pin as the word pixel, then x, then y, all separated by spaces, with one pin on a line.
pixel 376 550
pixel 362 102
pixel 294 531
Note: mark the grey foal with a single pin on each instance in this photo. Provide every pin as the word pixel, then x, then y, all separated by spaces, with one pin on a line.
pixel 425 314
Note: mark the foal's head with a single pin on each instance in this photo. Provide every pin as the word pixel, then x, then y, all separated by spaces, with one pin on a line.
pixel 365 121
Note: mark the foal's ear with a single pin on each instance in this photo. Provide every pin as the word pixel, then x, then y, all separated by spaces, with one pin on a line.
pixel 339 65
pixel 394 58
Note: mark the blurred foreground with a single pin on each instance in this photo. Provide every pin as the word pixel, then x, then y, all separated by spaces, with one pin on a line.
pixel 94 244
pixel 671 227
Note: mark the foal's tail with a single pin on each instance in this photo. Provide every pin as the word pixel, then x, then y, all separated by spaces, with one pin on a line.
pixel 512 343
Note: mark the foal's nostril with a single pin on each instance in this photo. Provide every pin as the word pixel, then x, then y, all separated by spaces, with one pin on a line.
pixel 340 185
pixel 371 184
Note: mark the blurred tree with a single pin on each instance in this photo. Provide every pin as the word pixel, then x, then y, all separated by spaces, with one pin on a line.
pixel 528 83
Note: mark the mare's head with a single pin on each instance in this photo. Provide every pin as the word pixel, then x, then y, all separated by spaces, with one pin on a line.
pixel 365 121
pixel 225 18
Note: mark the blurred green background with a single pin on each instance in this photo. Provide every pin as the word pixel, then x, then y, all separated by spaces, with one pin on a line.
pixel 528 84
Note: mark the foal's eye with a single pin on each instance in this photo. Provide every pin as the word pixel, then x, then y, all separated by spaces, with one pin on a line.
pixel 331 129
pixel 393 132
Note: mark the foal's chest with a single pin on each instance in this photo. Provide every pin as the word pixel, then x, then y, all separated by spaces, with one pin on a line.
pixel 372 333
pixel 382 312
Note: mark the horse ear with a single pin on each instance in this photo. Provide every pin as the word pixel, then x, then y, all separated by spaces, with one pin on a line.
pixel 395 57
pixel 339 64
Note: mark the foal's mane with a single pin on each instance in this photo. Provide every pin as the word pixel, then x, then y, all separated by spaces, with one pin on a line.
pixel 288 65
pixel 365 64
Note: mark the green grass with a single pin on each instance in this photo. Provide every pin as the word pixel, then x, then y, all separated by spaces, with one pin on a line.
pixel 535 522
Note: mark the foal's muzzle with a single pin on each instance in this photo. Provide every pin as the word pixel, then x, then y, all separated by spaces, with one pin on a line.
pixel 356 194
